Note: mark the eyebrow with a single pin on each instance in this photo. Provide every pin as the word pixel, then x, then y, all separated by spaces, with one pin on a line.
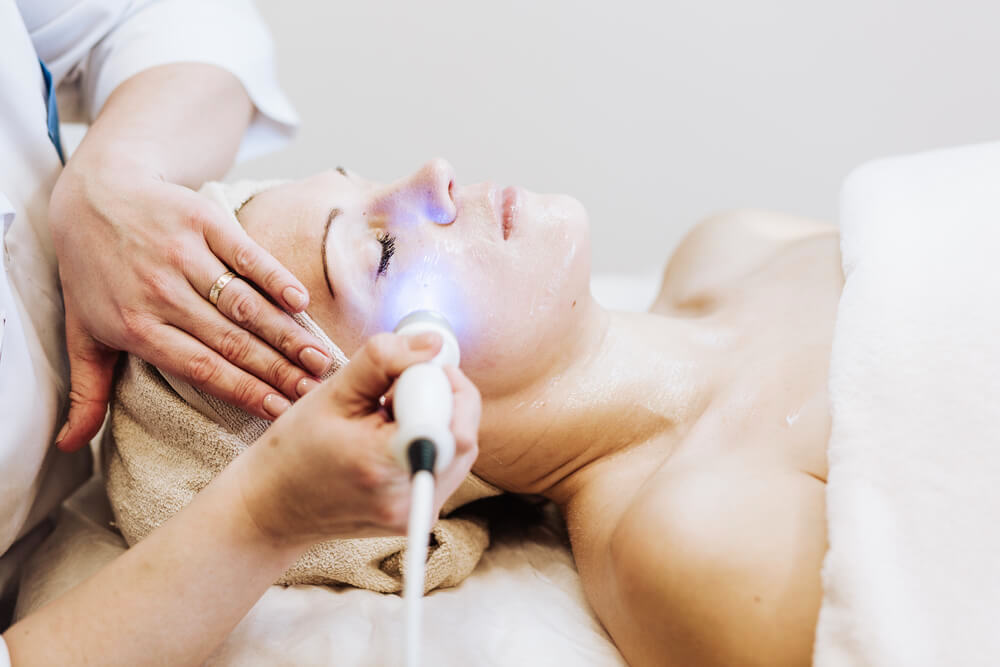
pixel 322 248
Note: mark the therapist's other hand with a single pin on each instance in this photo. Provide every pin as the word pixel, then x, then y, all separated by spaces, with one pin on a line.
pixel 137 258
pixel 325 469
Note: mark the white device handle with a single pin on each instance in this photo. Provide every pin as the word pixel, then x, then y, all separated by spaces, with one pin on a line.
pixel 422 404
pixel 422 400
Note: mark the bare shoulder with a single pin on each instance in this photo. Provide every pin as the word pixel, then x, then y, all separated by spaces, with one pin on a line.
pixel 727 246
pixel 714 565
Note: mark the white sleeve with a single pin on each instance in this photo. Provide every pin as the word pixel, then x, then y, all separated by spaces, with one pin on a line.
pixel 123 38
pixel 4 655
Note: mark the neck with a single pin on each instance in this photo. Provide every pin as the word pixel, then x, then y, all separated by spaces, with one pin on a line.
pixel 628 380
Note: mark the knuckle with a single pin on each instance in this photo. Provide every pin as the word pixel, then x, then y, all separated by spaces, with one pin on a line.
pixel 244 260
pixel 158 288
pixel 245 392
pixel 368 477
pixel 79 398
pixel 379 349
pixel 135 325
pixel 201 368
pixel 235 344
pixel 391 514
pixel 176 254
pixel 282 374
pixel 286 339
pixel 244 307
pixel 466 444
pixel 271 279
pixel 199 216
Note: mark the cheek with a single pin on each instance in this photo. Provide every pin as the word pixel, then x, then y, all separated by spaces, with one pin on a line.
pixel 426 276
pixel 553 266
pixel 509 303
pixel 528 302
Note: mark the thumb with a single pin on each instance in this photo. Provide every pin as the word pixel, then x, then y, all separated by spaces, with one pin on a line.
pixel 371 372
pixel 91 365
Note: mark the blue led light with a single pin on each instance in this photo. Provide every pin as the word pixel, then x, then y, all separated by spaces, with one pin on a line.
pixel 425 286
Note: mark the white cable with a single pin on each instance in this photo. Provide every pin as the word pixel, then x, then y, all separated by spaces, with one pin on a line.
pixel 417 536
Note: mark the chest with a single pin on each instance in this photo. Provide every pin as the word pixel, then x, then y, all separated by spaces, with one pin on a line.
pixel 771 405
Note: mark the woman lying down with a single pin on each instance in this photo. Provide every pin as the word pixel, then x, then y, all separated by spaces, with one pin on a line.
pixel 685 447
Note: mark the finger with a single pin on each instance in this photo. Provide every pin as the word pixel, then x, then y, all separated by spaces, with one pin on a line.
pixel 465 428
pixel 240 347
pixel 235 247
pixel 180 354
pixel 248 308
pixel 357 387
pixel 91 366
pixel 467 412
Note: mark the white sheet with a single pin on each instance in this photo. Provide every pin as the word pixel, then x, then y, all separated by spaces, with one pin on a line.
pixel 523 605
pixel 633 292
pixel 912 576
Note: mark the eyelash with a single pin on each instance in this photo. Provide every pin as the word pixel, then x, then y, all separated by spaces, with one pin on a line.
pixel 388 242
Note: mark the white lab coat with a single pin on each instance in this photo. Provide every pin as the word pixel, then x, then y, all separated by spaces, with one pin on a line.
pixel 90 46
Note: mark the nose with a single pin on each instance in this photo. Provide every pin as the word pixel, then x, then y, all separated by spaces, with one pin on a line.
pixel 424 195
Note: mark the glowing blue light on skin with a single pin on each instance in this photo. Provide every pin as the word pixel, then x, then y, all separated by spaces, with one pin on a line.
pixel 426 286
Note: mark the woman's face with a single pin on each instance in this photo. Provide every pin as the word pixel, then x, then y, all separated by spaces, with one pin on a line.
pixel 509 268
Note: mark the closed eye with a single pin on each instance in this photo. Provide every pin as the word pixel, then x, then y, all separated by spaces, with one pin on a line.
pixel 388 242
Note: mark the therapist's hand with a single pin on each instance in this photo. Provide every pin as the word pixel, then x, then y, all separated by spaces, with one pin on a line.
pixel 139 251
pixel 325 470
pixel 138 257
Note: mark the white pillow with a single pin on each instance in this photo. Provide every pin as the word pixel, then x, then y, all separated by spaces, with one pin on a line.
pixel 632 292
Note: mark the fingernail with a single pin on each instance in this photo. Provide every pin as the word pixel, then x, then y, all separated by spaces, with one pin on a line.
pixel 305 385
pixel 314 361
pixel 62 433
pixel 424 340
pixel 276 405
pixel 294 298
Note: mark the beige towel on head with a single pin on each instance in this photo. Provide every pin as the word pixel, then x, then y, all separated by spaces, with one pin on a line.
pixel 166 440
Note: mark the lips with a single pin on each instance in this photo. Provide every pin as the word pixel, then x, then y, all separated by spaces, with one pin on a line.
pixel 511 205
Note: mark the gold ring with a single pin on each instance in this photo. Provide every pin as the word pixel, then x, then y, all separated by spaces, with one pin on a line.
pixel 218 286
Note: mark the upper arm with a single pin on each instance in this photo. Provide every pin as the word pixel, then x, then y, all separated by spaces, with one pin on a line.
pixel 715 568
pixel 725 247
pixel 63 33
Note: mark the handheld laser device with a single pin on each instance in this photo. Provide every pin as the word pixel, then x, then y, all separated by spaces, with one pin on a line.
pixel 422 403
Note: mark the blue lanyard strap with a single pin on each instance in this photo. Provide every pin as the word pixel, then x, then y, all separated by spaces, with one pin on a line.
pixel 52 109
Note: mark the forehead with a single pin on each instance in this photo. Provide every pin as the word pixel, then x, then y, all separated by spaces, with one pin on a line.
pixel 297 197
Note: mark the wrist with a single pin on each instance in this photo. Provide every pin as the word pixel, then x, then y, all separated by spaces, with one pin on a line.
pixel 94 181
pixel 260 501
pixel 100 156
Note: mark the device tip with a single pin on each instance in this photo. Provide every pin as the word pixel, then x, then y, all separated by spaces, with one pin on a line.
pixel 427 317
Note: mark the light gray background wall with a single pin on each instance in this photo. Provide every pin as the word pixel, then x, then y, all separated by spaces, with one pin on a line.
pixel 651 113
